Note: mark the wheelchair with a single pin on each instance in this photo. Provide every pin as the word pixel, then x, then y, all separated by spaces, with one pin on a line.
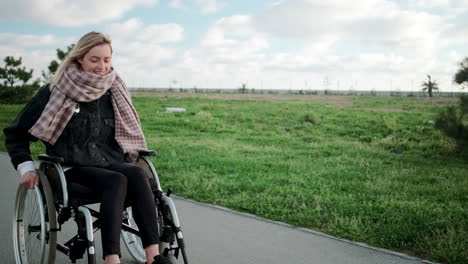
pixel 40 213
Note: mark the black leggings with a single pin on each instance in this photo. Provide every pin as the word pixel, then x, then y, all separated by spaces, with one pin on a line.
pixel 115 184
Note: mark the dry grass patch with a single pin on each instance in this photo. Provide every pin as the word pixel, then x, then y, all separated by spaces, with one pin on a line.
pixel 338 101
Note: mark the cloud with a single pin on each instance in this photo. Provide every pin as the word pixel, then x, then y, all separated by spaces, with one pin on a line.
pixel 68 12
pixel 209 6
pixel 234 26
pixel 380 23
pixel 176 4
pixel 233 39
pixel 29 40
pixel 135 29
pixel 142 50
pixel 430 3
pixel 205 6
pixel 162 33
pixel 439 4
pixel 375 41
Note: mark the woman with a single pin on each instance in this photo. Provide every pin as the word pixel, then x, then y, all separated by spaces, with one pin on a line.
pixel 86 116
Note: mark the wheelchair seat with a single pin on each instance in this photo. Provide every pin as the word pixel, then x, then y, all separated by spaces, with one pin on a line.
pixel 82 195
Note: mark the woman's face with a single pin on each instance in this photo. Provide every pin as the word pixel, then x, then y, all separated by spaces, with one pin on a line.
pixel 98 60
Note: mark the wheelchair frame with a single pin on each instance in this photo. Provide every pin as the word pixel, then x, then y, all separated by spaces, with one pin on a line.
pixel 55 209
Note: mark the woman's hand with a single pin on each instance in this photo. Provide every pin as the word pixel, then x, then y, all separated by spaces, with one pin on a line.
pixel 30 179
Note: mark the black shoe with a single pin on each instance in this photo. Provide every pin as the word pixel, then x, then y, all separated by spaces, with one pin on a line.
pixel 161 260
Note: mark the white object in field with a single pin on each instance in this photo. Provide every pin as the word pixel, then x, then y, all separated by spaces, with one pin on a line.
pixel 175 109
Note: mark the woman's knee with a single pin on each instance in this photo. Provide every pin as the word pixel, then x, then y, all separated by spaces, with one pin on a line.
pixel 137 169
pixel 135 173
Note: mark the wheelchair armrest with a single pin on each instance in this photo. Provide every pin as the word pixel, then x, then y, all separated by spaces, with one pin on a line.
pixel 54 159
pixel 147 153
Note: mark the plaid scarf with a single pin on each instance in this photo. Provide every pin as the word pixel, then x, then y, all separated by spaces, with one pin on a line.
pixel 78 86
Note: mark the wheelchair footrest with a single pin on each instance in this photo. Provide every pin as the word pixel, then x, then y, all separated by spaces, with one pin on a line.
pixel 77 248
pixel 176 252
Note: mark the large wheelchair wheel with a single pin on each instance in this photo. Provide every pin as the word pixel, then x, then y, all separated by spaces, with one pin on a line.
pixel 132 241
pixel 35 224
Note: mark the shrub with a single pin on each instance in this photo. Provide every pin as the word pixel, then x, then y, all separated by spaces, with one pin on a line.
pixel 308 118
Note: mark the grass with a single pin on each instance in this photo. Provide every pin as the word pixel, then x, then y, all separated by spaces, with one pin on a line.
pixel 373 170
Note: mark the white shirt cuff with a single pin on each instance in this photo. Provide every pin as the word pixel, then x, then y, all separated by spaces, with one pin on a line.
pixel 25 167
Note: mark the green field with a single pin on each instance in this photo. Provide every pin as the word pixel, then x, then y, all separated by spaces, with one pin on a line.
pixel 369 169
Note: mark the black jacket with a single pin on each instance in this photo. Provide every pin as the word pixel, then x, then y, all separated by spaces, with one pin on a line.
pixel 87 140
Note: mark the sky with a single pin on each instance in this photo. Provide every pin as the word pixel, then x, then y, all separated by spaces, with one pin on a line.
pixel 264 44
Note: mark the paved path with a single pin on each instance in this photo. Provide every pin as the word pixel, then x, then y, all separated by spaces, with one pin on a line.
pixel 216 235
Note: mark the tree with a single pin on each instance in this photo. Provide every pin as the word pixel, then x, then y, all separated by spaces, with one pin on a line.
pixel 53 65
pixel 430 86
pixel 14 87
pixel 450 122
pixel 461 77
pixel 243 89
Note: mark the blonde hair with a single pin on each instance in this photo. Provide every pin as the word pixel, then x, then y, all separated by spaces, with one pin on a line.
pixel 86 43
